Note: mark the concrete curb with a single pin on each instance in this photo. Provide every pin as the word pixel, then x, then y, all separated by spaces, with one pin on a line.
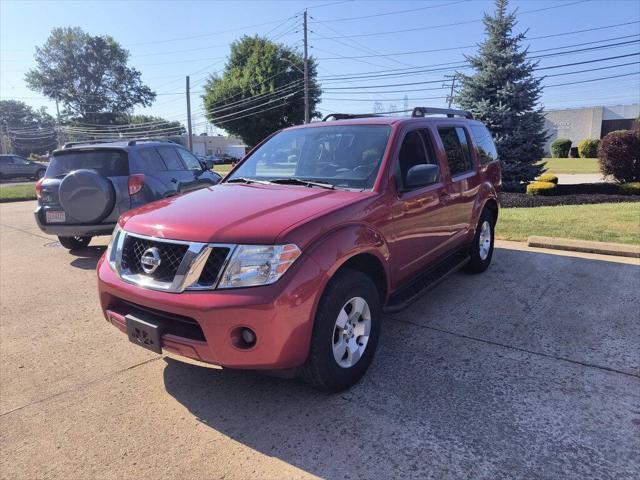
pixel 603 248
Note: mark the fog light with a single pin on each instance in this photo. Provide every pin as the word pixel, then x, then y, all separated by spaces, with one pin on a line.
pixel 248 337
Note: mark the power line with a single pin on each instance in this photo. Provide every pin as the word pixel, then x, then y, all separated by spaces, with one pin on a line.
pixel 396 12
pixel 465 22
pixel 592 80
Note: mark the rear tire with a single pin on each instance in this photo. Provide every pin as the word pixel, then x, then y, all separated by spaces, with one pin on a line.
pixel 345 332
pixel 74 243
pixel 482 246
pixel 39 174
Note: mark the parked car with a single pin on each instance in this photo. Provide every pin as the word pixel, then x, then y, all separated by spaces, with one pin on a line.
pixel 88 186
pixel 357 217
pixel 14 166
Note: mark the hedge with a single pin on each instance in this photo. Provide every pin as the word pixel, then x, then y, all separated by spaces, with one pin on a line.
pixel 619 155
pixel 588 148
pixel 541 188
pixel 560 148
pixel 547 177
pixel 630 188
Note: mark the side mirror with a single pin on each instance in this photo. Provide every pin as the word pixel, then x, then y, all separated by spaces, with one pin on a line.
pixel 422 175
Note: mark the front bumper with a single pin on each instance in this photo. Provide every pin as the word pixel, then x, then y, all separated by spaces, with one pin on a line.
pixel 281 315
pixel 65 230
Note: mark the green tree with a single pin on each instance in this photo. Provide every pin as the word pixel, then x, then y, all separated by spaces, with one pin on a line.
pixel 25 130
pixel 88 75
pixel 505 95
pixel 260 91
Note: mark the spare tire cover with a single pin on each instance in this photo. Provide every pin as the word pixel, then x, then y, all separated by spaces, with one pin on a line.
pixel 87 196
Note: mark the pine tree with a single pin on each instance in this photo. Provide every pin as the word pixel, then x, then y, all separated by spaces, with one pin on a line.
pixel 504 94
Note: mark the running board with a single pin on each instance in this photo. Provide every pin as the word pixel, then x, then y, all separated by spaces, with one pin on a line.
pixel 409 293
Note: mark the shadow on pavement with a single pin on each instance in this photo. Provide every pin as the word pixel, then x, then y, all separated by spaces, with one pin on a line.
pixel 472 381
pixel 87 258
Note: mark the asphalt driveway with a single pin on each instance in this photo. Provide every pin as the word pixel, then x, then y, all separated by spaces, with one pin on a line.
pixel 531 370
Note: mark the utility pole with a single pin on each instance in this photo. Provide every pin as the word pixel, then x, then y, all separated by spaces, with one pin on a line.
pixel 189 132
pixel 453 86
pixel 306 73
pixel 59 137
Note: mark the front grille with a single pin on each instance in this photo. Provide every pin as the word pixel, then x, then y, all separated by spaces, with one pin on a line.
pixel 212 268
pixel 171 255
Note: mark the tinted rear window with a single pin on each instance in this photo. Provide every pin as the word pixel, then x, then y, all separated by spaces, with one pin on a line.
pixel 109 163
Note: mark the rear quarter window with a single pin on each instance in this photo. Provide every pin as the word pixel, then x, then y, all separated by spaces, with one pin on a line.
pixel 486 149
pixel 109 163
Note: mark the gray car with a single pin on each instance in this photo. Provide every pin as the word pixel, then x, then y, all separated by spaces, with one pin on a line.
pixel 88 186
pixel 14 166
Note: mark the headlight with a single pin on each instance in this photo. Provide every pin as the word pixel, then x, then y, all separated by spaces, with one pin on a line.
pixel 111 252
pixel 253 265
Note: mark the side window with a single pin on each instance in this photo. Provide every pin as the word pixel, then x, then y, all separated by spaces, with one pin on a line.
pixel 150 160
pixel 5 160
pixel 189 160
pixel 486 149
pixel 170 157
pixel 415 150
pixel 456 148
pixel 19 161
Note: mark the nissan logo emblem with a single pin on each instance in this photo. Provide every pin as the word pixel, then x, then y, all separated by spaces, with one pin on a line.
pixel 150 260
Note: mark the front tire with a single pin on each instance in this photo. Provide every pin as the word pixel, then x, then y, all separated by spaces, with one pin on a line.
pixel 482 246
pixel 345 332
pixel 39 174
pixel 74 243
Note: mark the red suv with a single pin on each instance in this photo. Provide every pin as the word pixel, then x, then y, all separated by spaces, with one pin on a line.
pixel 289 263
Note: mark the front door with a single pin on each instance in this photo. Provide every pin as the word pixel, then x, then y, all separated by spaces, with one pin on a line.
pixel 420 224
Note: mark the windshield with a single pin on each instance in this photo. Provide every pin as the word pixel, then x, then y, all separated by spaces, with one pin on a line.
pixel 346 156
pixel 109 163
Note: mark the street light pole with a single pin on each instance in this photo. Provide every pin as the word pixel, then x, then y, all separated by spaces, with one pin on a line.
pixel 306 73
pixel 189 132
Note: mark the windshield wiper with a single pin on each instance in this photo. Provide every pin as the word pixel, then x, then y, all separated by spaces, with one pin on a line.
pixel 302 181
pixel 246 180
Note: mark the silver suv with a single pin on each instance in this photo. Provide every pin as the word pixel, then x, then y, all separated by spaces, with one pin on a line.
pixel 88 186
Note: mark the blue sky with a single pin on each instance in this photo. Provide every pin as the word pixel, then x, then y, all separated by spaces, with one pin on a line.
pixel 170 39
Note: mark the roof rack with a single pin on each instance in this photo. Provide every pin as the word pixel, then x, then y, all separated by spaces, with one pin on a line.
pixel 347 116
pixel 130 143
pixel 88 142
pixel 424 111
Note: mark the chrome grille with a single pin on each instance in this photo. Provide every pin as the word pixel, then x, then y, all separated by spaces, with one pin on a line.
pixel 171 255
pixel 212 268
pixel 182 265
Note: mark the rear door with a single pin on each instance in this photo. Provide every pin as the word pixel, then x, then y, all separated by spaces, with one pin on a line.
pixel 183 179
pixel 22 167
pixel 455 145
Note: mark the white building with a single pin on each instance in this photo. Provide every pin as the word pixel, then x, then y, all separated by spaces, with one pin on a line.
pixel 576 124
pixel 214 145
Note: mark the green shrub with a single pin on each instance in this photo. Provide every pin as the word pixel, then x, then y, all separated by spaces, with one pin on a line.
pixel 619 155
pixel 588 148
pixel 541 188
pixel 560 148
pixel 547 177
pixel 630 188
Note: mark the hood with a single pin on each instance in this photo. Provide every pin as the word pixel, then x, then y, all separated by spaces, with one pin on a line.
pixel 234 213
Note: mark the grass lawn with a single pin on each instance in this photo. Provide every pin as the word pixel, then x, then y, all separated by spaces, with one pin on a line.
pixel 604 222
pixel 572 165
pixel 223 169
pixel 13 193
